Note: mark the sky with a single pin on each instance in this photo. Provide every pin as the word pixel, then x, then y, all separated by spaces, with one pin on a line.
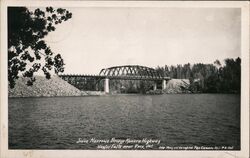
pixel 97 38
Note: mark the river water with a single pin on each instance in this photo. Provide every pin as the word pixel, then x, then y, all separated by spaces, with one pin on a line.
pixel 177 120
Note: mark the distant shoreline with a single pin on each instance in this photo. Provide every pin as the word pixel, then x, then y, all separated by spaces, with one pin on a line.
pixel 57 87
pixel 116 94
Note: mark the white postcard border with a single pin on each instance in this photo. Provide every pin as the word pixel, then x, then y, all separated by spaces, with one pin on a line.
pixel 243 153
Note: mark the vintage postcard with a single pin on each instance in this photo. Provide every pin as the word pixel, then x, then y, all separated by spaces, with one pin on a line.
pixel 124 79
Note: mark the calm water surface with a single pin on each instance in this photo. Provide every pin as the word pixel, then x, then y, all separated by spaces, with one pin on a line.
pixel 176 119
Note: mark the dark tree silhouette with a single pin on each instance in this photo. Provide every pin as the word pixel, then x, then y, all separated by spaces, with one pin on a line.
pixel 208 78
pixel 27 49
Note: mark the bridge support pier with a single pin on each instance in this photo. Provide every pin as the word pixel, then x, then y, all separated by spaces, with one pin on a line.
pixel 164 84
pixel 106 85
pixel 155 86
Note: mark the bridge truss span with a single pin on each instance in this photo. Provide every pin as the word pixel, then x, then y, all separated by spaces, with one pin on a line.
pixel 127 72
pixel 132 72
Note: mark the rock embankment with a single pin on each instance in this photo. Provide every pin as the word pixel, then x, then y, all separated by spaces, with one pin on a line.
pixel 173 86
pixel 44 87
pixel 177 86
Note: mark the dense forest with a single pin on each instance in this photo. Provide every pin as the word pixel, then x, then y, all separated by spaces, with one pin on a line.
pixel 208 78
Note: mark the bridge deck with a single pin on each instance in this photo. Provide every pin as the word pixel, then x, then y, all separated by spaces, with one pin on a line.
pixel 120 77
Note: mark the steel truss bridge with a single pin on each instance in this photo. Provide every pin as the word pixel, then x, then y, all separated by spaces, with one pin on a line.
pixel 127 72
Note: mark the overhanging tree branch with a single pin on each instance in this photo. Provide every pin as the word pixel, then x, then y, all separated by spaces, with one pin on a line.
pixel 26 32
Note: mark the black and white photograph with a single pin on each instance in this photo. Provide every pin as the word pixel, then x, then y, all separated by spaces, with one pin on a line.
pixel 126 77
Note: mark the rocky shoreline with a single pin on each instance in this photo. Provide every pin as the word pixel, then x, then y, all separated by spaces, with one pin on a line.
pixel 57 87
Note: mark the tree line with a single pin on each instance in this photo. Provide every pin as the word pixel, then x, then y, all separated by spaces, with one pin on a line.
pixel 208 78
